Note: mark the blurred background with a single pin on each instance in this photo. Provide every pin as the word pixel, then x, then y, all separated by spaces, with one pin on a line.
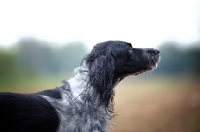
pixel 41 42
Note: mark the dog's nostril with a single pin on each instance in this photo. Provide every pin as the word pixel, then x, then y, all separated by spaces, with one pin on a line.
pixel 153 51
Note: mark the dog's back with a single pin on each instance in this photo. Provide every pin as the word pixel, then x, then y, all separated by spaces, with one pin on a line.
pixel 26 113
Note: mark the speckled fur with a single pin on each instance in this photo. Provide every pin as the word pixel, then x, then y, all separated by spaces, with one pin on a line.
pixel 75 115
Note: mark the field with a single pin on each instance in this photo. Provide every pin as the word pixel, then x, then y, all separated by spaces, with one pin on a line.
pixel 144 105
pixel 157 105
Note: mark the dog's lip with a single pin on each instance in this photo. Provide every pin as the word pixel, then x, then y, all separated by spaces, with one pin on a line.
pixel 153 66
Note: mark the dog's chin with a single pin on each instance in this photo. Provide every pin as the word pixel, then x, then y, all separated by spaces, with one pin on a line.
pixel 145 70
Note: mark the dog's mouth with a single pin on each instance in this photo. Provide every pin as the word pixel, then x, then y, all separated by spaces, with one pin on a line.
pixel 153 63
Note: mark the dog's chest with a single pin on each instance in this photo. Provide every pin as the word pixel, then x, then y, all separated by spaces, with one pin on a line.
pixel 75 116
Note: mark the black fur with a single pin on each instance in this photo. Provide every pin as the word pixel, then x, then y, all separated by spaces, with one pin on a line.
pixel 26 113
pixel 54 93
pixel 85 102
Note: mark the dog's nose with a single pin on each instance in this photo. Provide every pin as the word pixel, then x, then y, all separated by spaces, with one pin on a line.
pixel 153 51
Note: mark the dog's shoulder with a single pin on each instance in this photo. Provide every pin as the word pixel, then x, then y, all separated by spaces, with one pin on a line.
pixel 52 93
pixel 58 92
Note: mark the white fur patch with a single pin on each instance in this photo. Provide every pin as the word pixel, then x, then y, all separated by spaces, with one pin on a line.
pixel 79 82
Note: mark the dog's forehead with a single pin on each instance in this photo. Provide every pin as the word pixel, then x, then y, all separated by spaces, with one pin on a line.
pixel 118 47
pixel 123 44
pixel 110 45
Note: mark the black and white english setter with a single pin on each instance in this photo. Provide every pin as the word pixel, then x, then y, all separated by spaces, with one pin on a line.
pixel 84 103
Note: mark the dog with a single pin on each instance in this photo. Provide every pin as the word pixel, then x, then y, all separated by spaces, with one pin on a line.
pixel 85 102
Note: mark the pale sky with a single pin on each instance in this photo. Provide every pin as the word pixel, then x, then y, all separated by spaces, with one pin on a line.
pixel 144 23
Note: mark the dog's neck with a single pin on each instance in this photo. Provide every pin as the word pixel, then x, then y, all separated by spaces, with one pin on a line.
pixel 78 83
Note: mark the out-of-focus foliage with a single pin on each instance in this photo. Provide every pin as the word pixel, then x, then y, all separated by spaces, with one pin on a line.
pixel 34 57
pixel 70 56
pixel 8 71
pixel 179 60
pixel 37 57
pixel 31 57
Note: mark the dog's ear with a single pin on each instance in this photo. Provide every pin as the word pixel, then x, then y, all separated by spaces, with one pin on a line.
pixel 101 73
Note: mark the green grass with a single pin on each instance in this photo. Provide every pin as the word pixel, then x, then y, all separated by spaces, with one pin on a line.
pixel 31 84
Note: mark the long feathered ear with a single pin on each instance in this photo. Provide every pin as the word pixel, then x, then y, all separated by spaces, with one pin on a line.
pixel 101 71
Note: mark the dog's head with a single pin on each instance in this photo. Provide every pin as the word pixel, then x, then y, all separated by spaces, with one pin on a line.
pixel 111 61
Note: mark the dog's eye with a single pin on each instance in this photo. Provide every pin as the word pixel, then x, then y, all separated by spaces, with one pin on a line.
pixel 130 51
